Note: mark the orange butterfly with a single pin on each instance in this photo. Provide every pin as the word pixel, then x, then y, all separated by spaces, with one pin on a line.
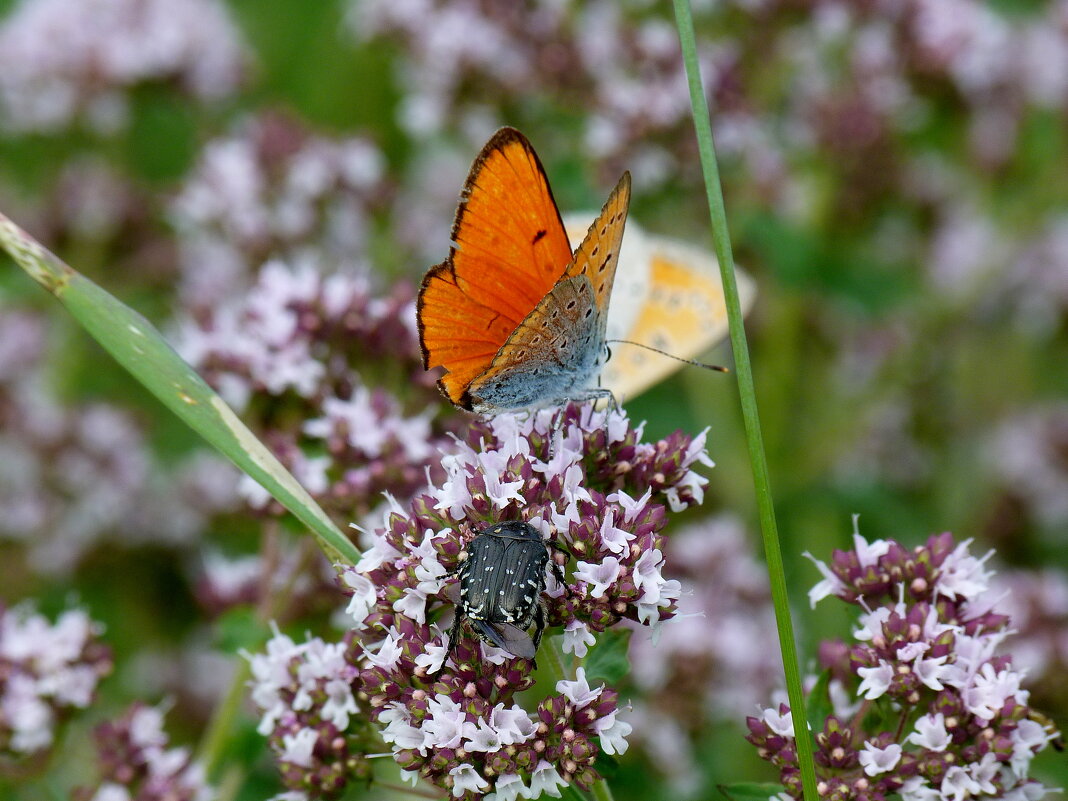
pixel 514 317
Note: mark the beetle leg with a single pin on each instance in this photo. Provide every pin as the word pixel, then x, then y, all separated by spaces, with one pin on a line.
pixel 454 637
pixel 540 616
pixel 558 572
pixel 461 558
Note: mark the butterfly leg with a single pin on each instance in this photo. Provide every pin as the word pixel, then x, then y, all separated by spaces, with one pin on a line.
pixel 599 393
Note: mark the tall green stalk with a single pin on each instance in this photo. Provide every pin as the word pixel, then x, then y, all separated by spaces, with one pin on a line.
pixel 747 394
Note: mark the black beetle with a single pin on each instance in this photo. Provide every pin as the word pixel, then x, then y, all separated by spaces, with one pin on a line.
pixel 502 577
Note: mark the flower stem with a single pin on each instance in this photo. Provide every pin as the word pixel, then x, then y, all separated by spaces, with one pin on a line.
pixel 217 737
pixel 747 394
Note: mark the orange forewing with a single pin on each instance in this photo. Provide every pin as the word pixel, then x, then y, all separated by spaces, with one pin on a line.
pixel 596 258
pixel 509 249
pixel 598 255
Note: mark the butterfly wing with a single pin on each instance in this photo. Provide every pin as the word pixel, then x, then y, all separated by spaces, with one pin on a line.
pixel 553 353
pixel 598 255
pixel 509 250
pixel 682 311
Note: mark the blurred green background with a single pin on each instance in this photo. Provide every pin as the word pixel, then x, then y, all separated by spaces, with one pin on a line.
pixel 895 179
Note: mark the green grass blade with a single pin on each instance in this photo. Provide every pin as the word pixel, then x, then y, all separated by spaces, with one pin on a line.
pixel 141 349
pixel 747 394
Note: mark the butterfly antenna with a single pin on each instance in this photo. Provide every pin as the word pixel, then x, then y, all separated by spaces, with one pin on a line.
pixel 715 367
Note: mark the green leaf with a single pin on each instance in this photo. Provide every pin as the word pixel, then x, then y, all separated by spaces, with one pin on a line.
pixel 819 705
pixel 608 659
pixel 751 791
pixel 571 793
pixel 141 349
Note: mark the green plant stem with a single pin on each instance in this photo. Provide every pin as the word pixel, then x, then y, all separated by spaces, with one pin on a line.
pixel 230 785
pixel 601 791
pixel 747 394
pixel 220 728
pixel 552 657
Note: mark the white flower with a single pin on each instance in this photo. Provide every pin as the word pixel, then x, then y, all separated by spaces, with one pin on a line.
pixel 363 596
pixel 298 747
pixel 146 728
pixel 388 652
pixel 931 671
pixel 876 680
pixel 71 686
pixel 985 771
pixel 577 638
pixel 631 507
pixel 613 733
pixel 831 584
pixel 916 788
pixel 381 552
pixel 398 730
pixel 578 691
pixel 601 576
pixel 989 691
pixel 871 624
pixel 572 488
pixel 454 495
pixel 868 554
pixel 961 575
pixel 512 725
pixel 466 778
pixel 931 733
pixel 27 715
pixel 1028 737
pixel 562 455
pixel 1028 791
pixel 958 784
pixel 270 673
pixel 780 723
pixel 668 591
pixel 109 791
pixel 412 603
pixel 545 781
pixel 614 539
pixel 433 657
pixel 912 651
pixel 444 723
pixel 647 575
pixel 508 787
pixel 480 736
pixel 877 760
pixel 430 573
pixel 501 493
pixel 339 703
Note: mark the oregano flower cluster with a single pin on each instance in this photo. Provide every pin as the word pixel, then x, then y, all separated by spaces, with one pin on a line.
pixel 923 705
pixel 585 480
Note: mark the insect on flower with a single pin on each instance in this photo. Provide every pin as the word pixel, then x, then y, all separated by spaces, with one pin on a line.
pixel 502 577
pixel 513 315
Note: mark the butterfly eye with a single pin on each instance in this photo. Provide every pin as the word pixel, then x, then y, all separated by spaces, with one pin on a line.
pixel 607 353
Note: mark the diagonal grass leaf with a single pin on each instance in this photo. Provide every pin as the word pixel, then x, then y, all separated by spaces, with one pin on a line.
pixel 141 349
